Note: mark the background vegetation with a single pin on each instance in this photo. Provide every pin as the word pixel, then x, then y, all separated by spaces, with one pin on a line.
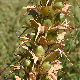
pixel 11 20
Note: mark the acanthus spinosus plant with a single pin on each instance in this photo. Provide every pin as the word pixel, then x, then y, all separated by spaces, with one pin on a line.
pixel 40 62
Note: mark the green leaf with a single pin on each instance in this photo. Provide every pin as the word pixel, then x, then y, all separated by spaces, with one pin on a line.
pixel 50 57
pixel 34 24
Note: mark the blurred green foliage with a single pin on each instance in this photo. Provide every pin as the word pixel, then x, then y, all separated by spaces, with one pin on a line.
pixel 10 12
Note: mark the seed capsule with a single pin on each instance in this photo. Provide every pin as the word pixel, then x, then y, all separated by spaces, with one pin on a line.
pixel 47 11
pixel 59 18
pixel 47 77
pixel 51 34
pixel 47 22
pixel 28 22
pixel 28 63
pixel 45 66
pixel 32 35
pixel 39 51
pixel 57 5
